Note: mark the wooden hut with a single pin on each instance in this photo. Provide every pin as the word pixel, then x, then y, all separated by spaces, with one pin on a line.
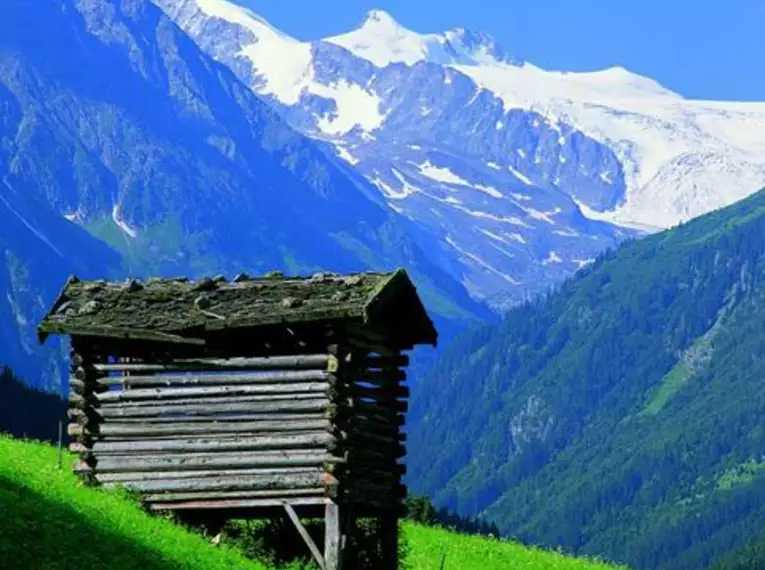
pixel 242 396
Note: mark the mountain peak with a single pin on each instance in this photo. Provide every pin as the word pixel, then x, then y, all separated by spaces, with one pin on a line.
pixel 379 18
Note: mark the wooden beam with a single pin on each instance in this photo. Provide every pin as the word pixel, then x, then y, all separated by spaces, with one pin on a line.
pixel 153 430
pixel 316 492
pixel 151 394
pixel 231 483
pixel 332 536
pixel 197 379
pixel 236 504
pixel 304 534
pixel 211 461
pixel 208 408
pixel 194 445
pixel 309 361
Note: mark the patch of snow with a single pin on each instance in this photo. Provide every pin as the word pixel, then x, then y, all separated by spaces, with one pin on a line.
pixel 542 216
pixel 121 224
pixel 520 176
pixel 562 159
pixel 521 152
pixel 582 262
pixel 481 262
pixel 552 257
pixel 517 237
pixel 566 233
pixel 605 176
pixel 355 106
pixel 494 165
pixel 495 218
pixel 500 125
pixel 490 190
pixel 392 193
pixel 415 147
pixel 439 174
pixel 282 62
pixel 521 197
pixel 452 200
pixel 343 153
pixel 493 236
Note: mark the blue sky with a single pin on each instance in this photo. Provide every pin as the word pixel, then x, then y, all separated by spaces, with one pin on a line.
pixel 702 49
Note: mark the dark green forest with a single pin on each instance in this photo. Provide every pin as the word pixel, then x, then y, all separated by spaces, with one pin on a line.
pixel 621 415
pixel 27 412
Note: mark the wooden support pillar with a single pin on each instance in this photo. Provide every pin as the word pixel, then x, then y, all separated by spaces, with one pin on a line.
pixel 388 528
pixel 333 537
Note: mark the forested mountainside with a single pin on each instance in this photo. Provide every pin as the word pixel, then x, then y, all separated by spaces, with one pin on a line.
pixel 620 415
pixel 162 153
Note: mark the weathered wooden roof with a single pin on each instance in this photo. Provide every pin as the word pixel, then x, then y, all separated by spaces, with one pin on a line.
pixel 181 310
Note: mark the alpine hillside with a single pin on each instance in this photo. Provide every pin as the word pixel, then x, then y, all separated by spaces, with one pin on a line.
pixel 510 168
pixel 620 415
pixel 162 153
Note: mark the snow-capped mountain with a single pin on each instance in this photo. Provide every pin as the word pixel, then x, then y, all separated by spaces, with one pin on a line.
pixel 522 175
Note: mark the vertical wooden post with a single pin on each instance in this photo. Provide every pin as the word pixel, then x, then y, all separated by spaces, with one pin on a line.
pixel 388 526
pixel 83 373
pixel 332 537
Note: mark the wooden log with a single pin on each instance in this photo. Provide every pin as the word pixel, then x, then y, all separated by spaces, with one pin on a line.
pixel 210 461
pixel 302 362
pixel 383 395
pixel 372 471
pixel 361 463
pixel 379 377
pixel 114 430
pixel 317 388
pixel 158 475
pixel 303 532
pixel 395 451
pixel 202 495
pixel 332 537
pixel 196 455
pixel 232 504
pixel 214 400
pixel 84 417
pixel 395 361
pixel 360 407
pixel 247 483
pixel 374 494
pixel 190 445
pixel 276 377
pixel 209 408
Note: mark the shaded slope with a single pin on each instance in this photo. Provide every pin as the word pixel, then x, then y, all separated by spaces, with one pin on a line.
pixel 163 154
pixel 38 250
pixel 621 415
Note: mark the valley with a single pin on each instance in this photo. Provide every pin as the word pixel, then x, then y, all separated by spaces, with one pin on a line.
pixel 588 244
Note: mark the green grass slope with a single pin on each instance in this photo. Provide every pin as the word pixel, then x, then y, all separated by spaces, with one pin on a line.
pixel 49 521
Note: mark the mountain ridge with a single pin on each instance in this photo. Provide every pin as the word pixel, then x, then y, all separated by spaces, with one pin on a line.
pixel 439 122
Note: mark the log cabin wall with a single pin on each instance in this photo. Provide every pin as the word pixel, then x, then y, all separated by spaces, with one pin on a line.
pixel 237 397
pixel 242 432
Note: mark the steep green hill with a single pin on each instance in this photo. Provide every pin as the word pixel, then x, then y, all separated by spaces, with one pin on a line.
pixel 50 522
pixel 621 415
